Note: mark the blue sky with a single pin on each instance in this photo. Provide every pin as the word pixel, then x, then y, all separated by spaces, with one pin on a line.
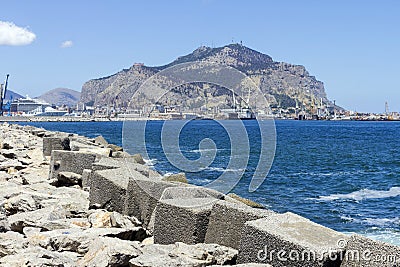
pixel 352 46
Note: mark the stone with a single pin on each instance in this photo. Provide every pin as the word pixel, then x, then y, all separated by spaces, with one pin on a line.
pixel 362 251
pixel 180 254
pixel 86 178
pixel 37 256
pixel 289 240
pixel 108 189
pixel 11 243
pixel 182 220
pixel 69 161
pixel 68 179
pixel 115 148
pixel 138 158
pixel 100 140
pixel 106 251
pixel 55 143
pixel 19 203
pixel 246 201
pixel 179 177
pixel 227 221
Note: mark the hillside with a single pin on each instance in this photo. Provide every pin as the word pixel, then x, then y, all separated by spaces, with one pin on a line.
pixel 61 96
pixel 282 83
pixel 12 94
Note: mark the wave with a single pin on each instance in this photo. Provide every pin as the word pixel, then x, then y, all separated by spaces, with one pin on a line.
pixel 205 150
pixel 390 236
pixel 363 194
pixel 379 222
pixel 150 162
pixel 219 169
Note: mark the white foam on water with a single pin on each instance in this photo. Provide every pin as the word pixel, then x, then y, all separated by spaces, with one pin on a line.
pixel 390 236
pixel 205 150
pixel 377 222
pixel 219 169
pixel 363 194
pixel 150 162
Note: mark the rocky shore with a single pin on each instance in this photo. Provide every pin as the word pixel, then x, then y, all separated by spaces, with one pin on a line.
pixel 67 200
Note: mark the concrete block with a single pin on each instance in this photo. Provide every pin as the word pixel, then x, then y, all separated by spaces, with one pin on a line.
pixel 182 220
pixel 227 221
pixel 129 163
pixel 55 143
pixel 183 191
pixel 290 240
pixel 86 177
pixel 362 251
pixel 108 189
pixel 70 161
pixel 143 195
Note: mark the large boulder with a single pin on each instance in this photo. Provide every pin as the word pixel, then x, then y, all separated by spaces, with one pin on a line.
pixel 108 189
pixel 106 251
pixel 180 254
pixel 69 161
pixel 290 240
pixel 182 214
pixel 55 143
pixel 227 221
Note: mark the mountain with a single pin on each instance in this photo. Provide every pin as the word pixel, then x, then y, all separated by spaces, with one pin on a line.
pixel 12 94
pixel 284 85
pixel 61 96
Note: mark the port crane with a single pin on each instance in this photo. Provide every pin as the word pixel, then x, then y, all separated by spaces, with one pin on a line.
pixel 3 94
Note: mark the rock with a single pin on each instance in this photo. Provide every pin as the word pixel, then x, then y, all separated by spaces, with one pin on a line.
pixel 246 201
pixel 115 148
pixel 100 140
pixel 46 219
pixel 37 256
pixel 106 251
pixel 68 179
pixel 180 254
pixel 179 177
pixel 100 219
pixel 139 159
pixel 19 203
pixel 11 243
pixel 69 161
pixel 120 154
pixel 55 143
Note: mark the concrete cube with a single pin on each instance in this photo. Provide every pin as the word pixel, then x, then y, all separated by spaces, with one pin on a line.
pixel 108 189
pixel 182 220
pixel 70 161
pixel 362 251
pixel 143 195
pixel 227 221
pixel 86 177
pixel 290 240
pixel 55 143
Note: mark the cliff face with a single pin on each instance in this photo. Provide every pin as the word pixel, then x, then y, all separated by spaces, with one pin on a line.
pixel 282 83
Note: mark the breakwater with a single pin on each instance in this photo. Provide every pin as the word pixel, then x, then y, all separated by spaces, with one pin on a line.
pixel 83 202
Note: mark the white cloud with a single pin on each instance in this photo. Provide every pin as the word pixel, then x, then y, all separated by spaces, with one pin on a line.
pixel 67 44
pixel 11 34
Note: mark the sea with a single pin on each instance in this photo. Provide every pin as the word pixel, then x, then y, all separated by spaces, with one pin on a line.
pixel 342 174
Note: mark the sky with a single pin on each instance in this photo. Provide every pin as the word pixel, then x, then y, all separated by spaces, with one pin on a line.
pixel 352 46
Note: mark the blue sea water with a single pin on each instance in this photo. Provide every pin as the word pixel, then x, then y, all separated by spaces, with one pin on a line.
pixel 344 175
